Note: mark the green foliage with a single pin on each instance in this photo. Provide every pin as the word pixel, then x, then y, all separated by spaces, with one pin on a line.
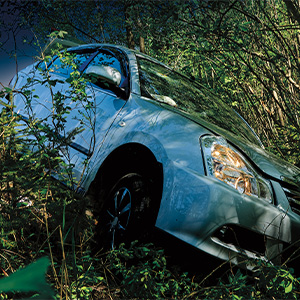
pixel 143 273
pixel 35 209
pixel 278 282
pixel 29 279
pixel 247 52
pixel 242 49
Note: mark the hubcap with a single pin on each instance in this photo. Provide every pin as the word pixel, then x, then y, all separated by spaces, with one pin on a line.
pixel 119 214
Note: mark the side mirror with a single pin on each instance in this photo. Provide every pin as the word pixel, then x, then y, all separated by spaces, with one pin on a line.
pixel 106 73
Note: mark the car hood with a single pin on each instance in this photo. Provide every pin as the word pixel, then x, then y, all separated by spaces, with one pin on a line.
pixel 268 163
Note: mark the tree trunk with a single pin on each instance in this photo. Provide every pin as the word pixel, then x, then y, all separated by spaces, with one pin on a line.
pixel 293 9
pixel 129 34
pixel 142 45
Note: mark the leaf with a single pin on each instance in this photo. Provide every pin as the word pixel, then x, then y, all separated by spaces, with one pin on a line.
pixel 30 279
pixel 52 82
pixel 5 104
pixel 7 89
pixel 62 33
pixel 288 288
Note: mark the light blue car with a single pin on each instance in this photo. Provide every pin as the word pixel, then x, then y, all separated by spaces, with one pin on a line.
pixel 159 149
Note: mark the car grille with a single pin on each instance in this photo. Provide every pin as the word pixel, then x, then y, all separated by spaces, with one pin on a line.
pixel 293 197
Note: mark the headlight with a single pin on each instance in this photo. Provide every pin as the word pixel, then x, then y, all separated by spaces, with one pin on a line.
pixel 228 165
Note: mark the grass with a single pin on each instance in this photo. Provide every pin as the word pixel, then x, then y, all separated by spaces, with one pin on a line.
pixel 54 225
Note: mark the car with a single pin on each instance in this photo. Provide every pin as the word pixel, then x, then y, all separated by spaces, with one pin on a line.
pixel 160 150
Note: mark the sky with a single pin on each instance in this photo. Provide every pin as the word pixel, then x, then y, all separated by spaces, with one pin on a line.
pixel 8 63
pixel 8 46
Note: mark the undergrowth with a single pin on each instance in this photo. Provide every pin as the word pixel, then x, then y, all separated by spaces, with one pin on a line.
pixel 40 218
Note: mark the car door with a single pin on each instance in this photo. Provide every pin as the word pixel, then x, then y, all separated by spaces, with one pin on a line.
pixel 93 116
pixel 89 114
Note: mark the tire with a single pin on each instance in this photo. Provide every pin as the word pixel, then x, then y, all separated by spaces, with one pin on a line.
pixel 125 215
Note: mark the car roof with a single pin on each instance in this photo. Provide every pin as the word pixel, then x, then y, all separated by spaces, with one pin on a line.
pixel 125 49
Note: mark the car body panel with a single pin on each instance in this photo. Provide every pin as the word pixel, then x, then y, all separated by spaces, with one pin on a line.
pixel 194 207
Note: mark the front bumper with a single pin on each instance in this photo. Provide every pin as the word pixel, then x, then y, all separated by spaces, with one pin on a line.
pixel 197 209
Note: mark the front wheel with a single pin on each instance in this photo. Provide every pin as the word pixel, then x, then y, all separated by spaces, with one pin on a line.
pixel 126 212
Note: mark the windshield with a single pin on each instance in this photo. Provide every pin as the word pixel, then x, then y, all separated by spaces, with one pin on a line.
pixel 166 86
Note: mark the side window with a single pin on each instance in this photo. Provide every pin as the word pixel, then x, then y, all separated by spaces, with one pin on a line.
pixel 60 65
pixel 106 58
